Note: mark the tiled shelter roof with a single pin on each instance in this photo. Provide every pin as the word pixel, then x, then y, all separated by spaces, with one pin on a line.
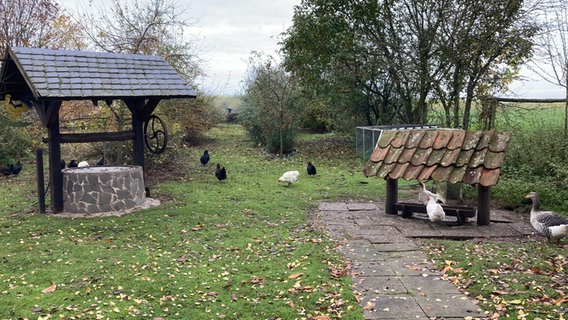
pixel 451 155
pixel 74 75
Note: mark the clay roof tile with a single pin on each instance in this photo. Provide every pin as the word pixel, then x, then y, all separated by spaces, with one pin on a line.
pixel 500 141
pixel 457 174
pixel 464 157
pixel 486 137
pixel 407 155
pixel 412 172
pixel 450 157
pixel 379 154
pixel 442 173
pixel 471 139
pixel 472 176
pixel 385 169
pixel 426 172
pixel 400 139
pixel 489 177
pixel 457 140
pixel 398 170
pixel 442 155
pixel 393 155
pixel 443 138
pixel 414 138
pixel 477 158
pixel 386 137
pixel 428 139
pixel 435 157
pixel 421 156
pixel 494 160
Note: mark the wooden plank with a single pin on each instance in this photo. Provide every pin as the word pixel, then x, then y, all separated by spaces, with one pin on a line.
pixel 464 211
pixel 97 137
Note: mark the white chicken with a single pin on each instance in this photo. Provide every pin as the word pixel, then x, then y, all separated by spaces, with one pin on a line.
pixel 435 211
pixel 290 177
pixel 425 193
pixel 83 164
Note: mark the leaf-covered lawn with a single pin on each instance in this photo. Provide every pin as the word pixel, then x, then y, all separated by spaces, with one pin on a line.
pixel 512 280
pixel 243 248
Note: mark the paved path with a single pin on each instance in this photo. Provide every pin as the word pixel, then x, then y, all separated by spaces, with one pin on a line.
pixel 393 276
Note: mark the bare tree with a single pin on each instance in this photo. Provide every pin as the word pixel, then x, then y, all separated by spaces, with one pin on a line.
pixel 37 23
pixel 551 46
pixel 154 27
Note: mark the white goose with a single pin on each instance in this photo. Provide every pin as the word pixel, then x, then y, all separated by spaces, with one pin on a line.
pixel 547 223
pixel 434 209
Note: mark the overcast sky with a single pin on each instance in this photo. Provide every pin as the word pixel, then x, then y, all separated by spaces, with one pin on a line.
pixel 228 30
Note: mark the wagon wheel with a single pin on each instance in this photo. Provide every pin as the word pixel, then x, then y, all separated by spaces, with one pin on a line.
pixel 155 134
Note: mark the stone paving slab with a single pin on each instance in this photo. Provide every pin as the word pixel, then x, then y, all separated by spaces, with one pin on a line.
pixel 381 285
pixel 332 206
pixel 392 275
pixel 447 305
pixel 362 206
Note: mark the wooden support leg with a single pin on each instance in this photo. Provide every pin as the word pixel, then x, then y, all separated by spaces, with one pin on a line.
pixel 483 212
pixel 392 196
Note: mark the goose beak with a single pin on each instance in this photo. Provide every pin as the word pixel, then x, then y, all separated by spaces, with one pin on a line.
pixel 527 196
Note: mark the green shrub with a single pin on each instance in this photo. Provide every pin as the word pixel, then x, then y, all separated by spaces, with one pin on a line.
pixel 15 142
pixel 535 161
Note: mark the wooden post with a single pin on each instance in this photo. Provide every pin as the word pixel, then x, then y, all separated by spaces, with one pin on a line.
pixel 54 143
pixel 40 181
pixel 483 199
pixel 138 117
pixel 392 196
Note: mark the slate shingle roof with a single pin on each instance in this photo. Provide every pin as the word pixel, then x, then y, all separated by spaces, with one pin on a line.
pixel 72 75
pixel 441 155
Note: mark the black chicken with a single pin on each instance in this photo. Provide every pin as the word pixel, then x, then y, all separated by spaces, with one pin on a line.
pixel 17 168
pixel 62 164
pixel 221 174
pixel 6 171
pixel 72 164
pixel 204 158
pixel 101 162
pixel 311 169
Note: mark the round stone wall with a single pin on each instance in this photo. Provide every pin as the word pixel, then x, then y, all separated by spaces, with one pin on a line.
pixel 102 189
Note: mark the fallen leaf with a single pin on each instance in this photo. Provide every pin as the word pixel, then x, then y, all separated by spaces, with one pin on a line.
pixel 294 276
pixel 418 268
pixel 499 292
pixel 234 297
pixel 369 306
pixel 49 289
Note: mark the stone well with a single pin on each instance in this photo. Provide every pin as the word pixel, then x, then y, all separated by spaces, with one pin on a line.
pixel 102 189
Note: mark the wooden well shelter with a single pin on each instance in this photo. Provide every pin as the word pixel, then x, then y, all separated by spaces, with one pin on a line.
pixel 44 78
pixel 442 155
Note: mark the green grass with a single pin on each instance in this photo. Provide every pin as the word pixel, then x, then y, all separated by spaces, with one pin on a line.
pixel 239 249
pixel 244 248
pixel 519 280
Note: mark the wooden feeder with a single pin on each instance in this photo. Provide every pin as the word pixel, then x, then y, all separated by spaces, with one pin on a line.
pixel 442 155
pixel 44 78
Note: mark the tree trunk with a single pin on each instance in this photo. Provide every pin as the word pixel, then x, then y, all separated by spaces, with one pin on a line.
pixel 468 102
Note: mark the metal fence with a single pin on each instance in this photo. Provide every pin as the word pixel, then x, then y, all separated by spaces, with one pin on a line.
pixel 366 137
